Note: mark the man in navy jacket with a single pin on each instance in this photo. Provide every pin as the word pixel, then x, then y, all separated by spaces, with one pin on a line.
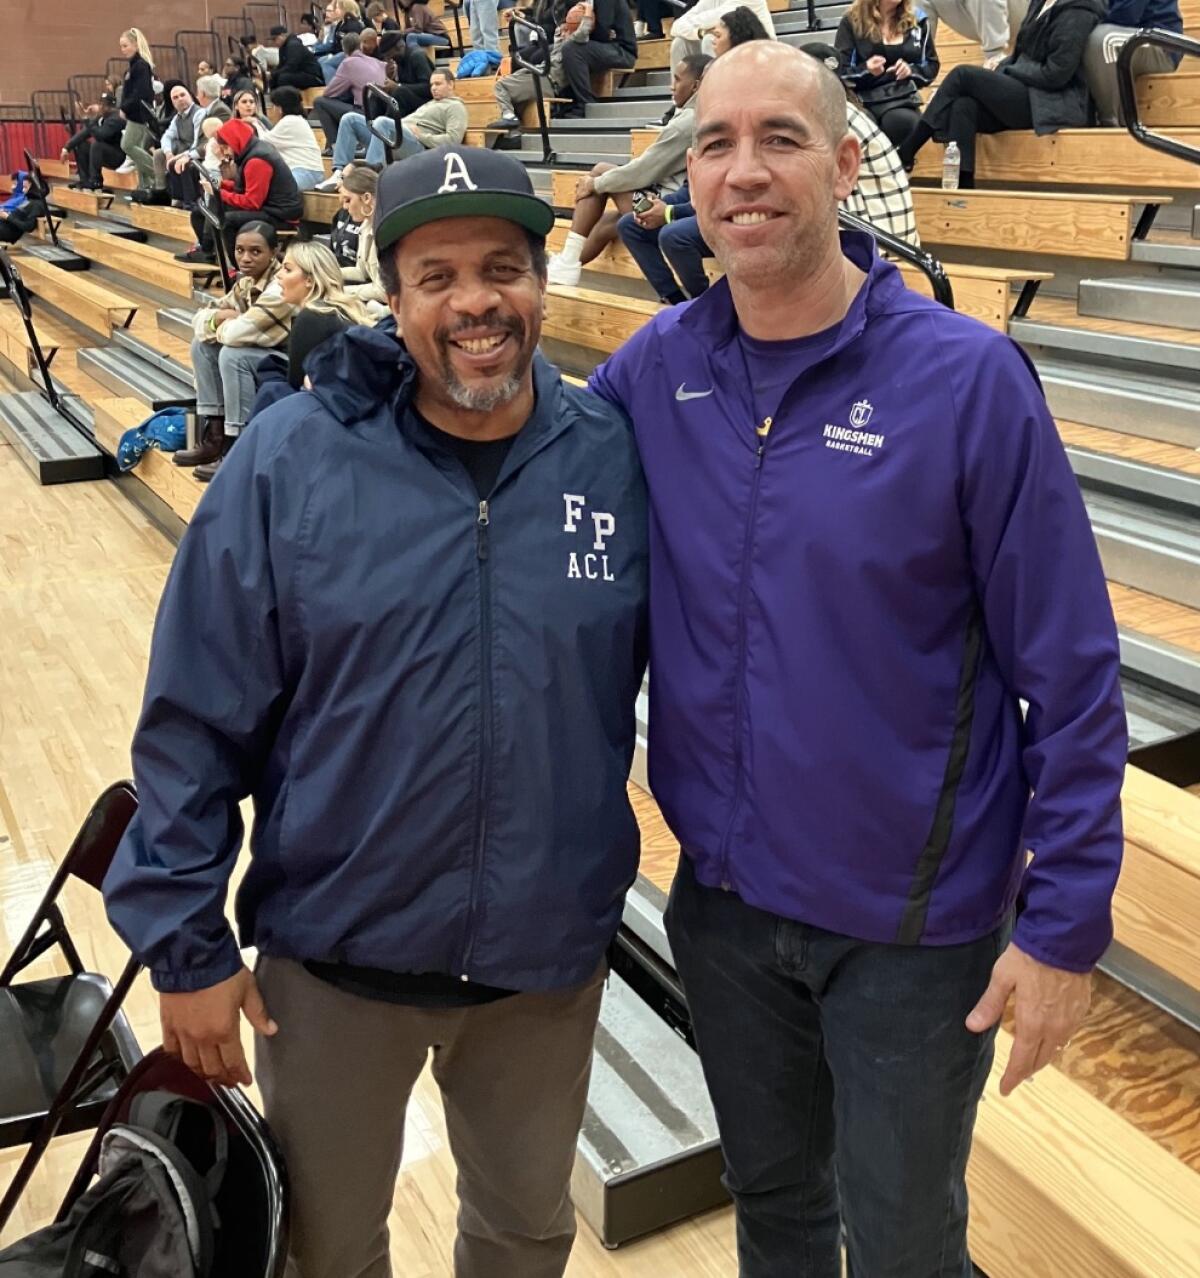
pixel 668 246
pixel 868 549
pixel 407 620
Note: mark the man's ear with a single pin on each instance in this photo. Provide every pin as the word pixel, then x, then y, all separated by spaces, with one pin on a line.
pixel 847 158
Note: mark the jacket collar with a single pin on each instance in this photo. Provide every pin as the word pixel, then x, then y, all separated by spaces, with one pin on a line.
pixel 712 319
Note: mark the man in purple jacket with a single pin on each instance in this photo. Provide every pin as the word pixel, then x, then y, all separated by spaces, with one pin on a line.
pixel 867 549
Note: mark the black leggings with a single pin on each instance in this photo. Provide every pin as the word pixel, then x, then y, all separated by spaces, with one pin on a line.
pixel 973 100
pixel 896 122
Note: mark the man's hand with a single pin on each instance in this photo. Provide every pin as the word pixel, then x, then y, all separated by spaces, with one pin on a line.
pixel 584 187
pixel 1050 1005
pixel 653 218
pixel 876 64
pixel 180 162
pixel 206 186
pixel 901 70
pixel 203 1028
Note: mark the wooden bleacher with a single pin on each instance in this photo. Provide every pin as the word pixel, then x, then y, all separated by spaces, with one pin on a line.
pixel 158 219
pixel 96 306
pixel 53 336
pixel 142 261
pixel 90 202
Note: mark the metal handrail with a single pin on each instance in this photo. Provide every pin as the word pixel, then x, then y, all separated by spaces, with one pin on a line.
pixel 370 93
pixel 537 40
pixel 39 189
pixel 455 7
pixel 212 211
pixel 926 263
pixel 1173 43
pixel 14 287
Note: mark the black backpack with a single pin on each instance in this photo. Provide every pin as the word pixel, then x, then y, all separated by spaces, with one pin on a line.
pixel 151 1213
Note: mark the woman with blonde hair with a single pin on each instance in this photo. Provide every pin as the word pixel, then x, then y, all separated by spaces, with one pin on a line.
pixel 311 281
pixel 137 104
pixel 362 280
pixel 887 55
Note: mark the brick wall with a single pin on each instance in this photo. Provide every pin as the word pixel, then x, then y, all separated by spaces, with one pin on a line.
pixel 46 43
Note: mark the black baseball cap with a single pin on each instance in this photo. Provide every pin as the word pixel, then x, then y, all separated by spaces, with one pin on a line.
pixel 456 181
pixel 823 53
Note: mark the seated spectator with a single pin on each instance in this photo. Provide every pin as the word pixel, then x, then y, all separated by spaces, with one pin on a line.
pixel 990 23
pixel 1105 43
pixel 328 43
pixel 442 121
pixel 344 93
pixel 20 212
pixel 421 28
pixel 689 30
pixel 344 231
pixel 1040 87
pixel 308 34
pixel 178 138
pixel 260 187
pixel 232 338
pixel 377 16
pixel 205 67
pixel 347 21
pixel 734 27
pixel 881 193
pixel 660 168
pixel 245 106
pixel 298 68
pixel 666 243
pixel 97 144
pixel 515 91
pixel 311 282
pixel 292 136
pixel 137 104
pixel 239 78
pixel 610 46
pixel 363 280
pixel 887 57
pixel 410 71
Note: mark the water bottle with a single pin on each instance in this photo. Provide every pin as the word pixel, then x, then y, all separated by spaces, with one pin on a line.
pixel 950 167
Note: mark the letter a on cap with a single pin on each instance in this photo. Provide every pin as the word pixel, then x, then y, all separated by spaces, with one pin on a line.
pixel 456 173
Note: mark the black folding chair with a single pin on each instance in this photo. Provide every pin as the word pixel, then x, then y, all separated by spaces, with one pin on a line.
pixel 65 1044
pixel 252 1203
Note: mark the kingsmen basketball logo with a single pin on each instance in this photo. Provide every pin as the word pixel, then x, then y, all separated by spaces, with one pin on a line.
pixel 588 564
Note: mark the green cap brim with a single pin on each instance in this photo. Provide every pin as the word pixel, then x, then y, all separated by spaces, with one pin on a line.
pixel 526 210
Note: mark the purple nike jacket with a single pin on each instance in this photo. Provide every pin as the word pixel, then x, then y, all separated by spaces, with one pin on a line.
pixel 848 604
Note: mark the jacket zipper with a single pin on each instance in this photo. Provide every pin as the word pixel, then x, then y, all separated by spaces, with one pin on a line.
pixel 739 691
pixel 482 523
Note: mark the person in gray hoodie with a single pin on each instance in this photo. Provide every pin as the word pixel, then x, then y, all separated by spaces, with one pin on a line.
pixel 661 168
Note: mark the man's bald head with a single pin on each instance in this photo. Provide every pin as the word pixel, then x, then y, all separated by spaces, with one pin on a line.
pixel 744 69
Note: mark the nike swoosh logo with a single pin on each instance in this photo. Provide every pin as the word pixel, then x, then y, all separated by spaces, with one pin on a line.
pixel 684 395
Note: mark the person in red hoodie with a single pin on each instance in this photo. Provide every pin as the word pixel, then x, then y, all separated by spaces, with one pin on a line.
pixel 256 186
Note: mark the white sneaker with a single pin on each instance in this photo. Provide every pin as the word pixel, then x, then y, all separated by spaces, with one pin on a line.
pixel 331 183
pixel 639 30
pixel 564 273
pixel 126 166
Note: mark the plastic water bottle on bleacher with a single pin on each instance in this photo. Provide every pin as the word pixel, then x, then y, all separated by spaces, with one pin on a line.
pixel 951 164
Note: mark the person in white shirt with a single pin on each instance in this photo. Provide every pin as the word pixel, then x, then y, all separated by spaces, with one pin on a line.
pixel 292 136
pixel 688 29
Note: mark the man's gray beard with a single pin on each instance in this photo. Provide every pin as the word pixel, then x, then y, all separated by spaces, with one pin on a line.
pixel 483 400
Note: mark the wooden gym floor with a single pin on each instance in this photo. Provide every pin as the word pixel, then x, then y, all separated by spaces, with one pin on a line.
pixel 80 575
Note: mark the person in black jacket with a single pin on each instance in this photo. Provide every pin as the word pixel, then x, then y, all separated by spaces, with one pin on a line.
pixel 410 70
pixel 297 67
pixel 611 46
pixel 137 104
pixel 1041 86
pixel 887 57
pixel 97 145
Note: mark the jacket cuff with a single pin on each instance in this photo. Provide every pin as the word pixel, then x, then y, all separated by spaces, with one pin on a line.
pixel 1051 956
pixel 190 979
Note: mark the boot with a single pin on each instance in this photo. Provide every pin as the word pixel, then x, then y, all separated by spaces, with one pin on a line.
pixel 209 447
pixel 206 472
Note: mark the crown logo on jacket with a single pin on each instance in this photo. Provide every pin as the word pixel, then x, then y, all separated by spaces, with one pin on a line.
pixel 860 414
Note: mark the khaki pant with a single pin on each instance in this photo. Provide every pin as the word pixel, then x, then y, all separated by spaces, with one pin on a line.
pixel 513 1074
pixel 993 23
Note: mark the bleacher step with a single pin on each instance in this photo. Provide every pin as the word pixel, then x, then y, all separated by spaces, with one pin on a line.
pixel 129 373
pixel 1143 300
pixel 1154 716
pixel 613 147
pixel 1149 404
pixel 48 445
pixel 1109 472
pixel 64 258
pixel 1178 256
pixel 1150 658
pixel 1150 550
pixel 176 321
pixel 1181 357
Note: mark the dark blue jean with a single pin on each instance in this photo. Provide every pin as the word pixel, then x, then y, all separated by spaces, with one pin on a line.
pixel 678 243
pixel 845 1085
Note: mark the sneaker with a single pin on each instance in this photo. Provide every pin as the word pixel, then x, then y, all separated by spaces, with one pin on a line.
pixel 127 166
pixel 504 122
pixel 990 64
pixel 196 254
pixel 563 273
pixel 639 30
pixel 330 184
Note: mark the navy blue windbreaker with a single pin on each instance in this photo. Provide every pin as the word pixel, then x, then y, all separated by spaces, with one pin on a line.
pixel 430 698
